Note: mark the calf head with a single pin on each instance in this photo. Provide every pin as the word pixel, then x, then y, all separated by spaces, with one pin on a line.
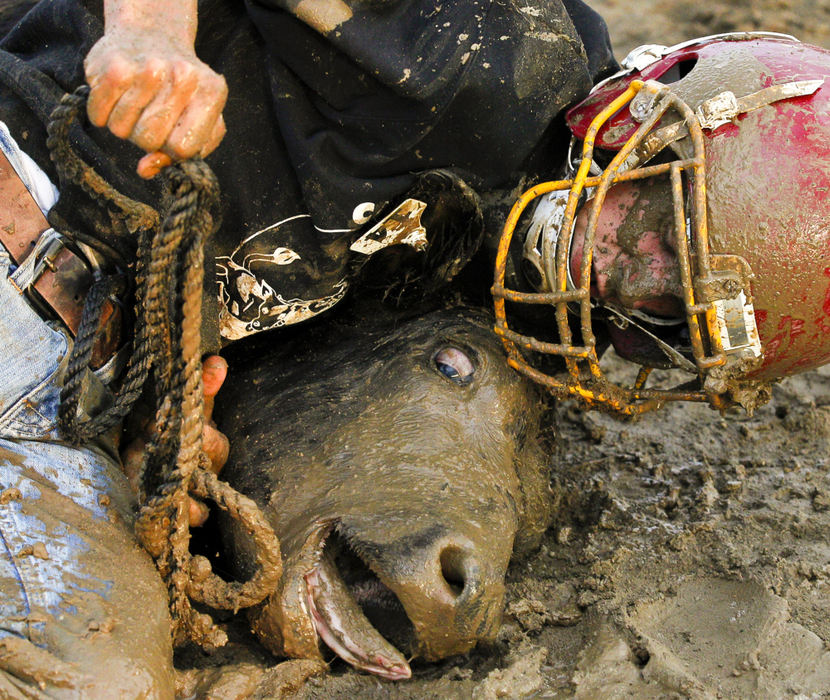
pixel 399 466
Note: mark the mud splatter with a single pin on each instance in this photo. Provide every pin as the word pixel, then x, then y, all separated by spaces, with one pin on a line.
pixel 323 15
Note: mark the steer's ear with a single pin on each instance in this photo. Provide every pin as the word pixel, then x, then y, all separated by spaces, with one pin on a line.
pixel 454 226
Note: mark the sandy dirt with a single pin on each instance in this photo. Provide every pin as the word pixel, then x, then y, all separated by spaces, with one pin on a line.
pixel 672 21
pixel 691 551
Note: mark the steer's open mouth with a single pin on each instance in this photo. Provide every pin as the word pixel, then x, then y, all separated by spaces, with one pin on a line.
pixel 343 593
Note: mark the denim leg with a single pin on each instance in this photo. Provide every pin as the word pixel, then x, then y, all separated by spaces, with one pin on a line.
pixel 83 612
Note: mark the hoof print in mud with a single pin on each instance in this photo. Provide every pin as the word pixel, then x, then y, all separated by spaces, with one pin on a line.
pixel 399 465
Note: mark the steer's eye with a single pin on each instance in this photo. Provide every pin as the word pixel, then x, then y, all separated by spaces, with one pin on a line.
pixel 454 364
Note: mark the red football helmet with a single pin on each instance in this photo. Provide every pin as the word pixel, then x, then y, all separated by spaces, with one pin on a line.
pixel 727 139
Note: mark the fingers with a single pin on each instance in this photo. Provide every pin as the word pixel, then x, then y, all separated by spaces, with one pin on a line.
pixel 216 446
pixel 198 512
pixel 214 372
pixel 131 458
pixel 158 119
pixel 152 164
pixel 215 138
pixel 107 87
pixel 197 123
pixel 137 91
pixel 214 443
pixel 160 97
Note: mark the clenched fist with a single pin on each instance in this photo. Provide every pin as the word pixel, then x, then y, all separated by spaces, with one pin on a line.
pixel 148 86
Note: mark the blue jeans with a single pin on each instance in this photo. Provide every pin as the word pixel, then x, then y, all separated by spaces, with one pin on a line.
pixel 83 612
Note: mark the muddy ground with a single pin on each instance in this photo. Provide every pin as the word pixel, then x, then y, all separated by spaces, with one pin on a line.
pixel 691 552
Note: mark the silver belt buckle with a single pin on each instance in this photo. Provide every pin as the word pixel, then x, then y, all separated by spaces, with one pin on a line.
pixel 43 257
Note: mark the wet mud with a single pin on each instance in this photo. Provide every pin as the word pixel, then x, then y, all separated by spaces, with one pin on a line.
pixel 689 556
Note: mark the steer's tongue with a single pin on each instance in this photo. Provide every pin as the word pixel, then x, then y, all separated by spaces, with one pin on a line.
pixel 342 625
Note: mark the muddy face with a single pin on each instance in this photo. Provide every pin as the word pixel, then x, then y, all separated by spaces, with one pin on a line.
pixel 635 267
pixel 634 262
pixel 399 468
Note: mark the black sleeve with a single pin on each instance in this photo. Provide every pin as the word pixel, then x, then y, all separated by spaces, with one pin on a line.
pixel 594 34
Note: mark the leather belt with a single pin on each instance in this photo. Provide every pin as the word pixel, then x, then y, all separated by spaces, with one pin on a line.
pixel 60 278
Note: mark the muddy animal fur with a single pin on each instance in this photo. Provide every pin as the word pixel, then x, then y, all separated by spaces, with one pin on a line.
pixel 354 438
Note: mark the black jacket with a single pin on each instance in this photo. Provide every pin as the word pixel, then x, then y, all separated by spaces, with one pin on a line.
pixel 322 119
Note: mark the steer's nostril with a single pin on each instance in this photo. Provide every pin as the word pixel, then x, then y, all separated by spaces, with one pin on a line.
pixel 452 568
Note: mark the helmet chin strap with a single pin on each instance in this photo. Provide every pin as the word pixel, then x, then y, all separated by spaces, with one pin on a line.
pixel 654 320
pixel 623 318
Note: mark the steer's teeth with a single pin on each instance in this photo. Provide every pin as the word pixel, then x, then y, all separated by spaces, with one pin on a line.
pixel 342 625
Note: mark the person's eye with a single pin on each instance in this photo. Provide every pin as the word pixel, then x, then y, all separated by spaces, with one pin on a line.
pixel 454 364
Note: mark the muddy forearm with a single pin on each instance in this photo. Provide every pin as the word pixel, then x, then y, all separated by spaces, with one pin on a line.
pixel 176 21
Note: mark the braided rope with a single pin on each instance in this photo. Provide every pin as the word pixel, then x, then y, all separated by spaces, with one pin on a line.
pixel 140 219
pixel 234 595
pixel 169 282
pixel 79 359
pixel 178 261
pixel 141 357
pixel 137 215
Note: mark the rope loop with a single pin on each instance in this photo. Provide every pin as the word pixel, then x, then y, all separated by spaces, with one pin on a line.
pixel 205 587
pixel 169 278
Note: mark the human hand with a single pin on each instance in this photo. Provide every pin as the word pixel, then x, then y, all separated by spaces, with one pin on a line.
pixel 214 443
pixel 150 88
